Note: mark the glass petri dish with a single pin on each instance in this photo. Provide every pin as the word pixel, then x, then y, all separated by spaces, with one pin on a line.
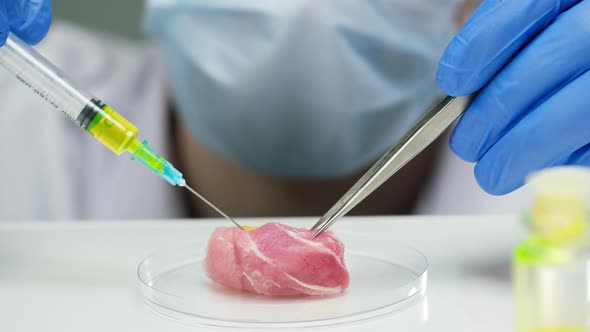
pixel 384 278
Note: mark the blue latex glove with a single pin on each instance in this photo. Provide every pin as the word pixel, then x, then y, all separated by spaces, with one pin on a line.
pixel 28 19
pixel 531 57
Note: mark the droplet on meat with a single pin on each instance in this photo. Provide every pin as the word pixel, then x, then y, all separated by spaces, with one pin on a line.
pixel 276 259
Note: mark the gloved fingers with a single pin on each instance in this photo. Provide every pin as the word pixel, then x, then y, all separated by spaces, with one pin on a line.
pixel 490 39
pixel 30 19
pixel 4 24
pixel 554 58
pixel 567 4
pixel 545 137
pixel 580 157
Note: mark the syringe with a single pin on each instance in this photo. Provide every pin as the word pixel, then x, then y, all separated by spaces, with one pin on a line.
pixel 97 118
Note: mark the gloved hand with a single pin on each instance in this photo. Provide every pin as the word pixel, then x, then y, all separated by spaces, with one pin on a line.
pixel 531 60
pixel 27 19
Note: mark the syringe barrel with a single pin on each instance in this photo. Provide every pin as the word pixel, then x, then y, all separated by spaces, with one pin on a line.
pixel 98 119
pixel 37 73
pixel 33 70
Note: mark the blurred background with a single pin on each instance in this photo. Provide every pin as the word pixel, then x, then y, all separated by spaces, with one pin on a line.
pixel 123 17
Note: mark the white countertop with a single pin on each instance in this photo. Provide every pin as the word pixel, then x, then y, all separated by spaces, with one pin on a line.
pixel 81 276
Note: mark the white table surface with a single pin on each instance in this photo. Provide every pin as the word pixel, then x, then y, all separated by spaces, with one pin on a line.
pixel 81 276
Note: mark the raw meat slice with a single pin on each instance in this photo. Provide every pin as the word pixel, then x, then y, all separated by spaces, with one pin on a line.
pixel 276 259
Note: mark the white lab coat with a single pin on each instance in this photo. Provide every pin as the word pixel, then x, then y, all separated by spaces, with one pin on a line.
pixel 52 170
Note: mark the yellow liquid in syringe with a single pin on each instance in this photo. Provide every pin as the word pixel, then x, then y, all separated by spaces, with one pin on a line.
pixel 120 135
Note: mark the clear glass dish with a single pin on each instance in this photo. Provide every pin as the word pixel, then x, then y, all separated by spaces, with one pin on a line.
pixel 384 278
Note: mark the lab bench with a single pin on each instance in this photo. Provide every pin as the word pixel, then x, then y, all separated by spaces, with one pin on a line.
pixel 82 276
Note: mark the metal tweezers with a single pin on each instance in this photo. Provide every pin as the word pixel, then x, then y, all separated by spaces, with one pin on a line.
pixel 421 135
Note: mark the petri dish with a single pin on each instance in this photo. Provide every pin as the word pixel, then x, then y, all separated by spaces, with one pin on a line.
pixel 385 278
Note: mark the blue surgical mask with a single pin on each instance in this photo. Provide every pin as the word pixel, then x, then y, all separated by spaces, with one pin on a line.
pixel 301 88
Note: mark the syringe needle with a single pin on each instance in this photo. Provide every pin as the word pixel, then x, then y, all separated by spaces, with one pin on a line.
pixel 211 205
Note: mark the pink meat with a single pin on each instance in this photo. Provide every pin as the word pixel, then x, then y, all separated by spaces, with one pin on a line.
pixel 277 260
